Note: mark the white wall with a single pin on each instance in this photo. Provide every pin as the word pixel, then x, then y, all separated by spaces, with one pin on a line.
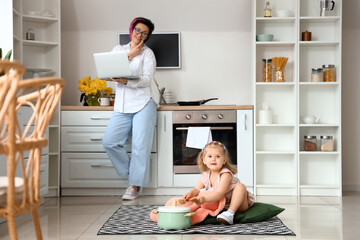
pixel 215 44
pixel 216 50
pixel 6 26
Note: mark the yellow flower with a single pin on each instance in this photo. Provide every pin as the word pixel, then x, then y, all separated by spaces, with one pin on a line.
pixel 93 87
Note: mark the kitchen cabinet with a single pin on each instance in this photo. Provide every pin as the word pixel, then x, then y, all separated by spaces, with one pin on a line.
pixel 41 58
pixel 85 166
pixel 282 167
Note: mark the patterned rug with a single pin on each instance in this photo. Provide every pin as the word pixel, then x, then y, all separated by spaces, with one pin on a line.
pixel 136 220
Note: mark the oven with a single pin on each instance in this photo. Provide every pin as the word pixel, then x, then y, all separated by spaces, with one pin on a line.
pixel 223 129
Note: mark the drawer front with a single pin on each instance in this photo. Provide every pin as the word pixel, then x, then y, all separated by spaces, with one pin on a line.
pixel 89 139
pixel 95 170
pixel 85 118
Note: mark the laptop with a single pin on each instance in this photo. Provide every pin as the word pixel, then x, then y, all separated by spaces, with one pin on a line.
pixel 113 65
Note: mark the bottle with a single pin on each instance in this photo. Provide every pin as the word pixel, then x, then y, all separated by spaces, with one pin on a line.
pixel 267 9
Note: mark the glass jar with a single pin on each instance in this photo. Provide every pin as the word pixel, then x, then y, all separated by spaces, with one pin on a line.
pixel 267 70
pixel 317 75
pixel 267 9
pixel 329 73
pixel 310 143
pixel 327 143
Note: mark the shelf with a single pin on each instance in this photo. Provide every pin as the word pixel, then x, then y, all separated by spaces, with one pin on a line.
pixel 276 44
pixel 318 153
pixel 275 125
pixel 39 43
pixel 274 153
pixel 276 83
pixel 318 125
pixel 276 19
pixel 318 43
pixel 320 19
pixel 16 38
pixel 320 83
pixel 32 18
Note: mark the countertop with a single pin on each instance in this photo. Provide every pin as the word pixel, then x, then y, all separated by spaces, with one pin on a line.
pixel 163 108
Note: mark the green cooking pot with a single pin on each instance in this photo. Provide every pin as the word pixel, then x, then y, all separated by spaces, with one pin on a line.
pixel 174 218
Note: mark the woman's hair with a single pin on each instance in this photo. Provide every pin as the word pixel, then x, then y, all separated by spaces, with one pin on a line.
pixel 221 147
pixel 142 20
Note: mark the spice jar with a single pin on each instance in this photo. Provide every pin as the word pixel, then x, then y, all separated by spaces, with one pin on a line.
pixel 317 75
pixel 329 73
pixel 267 70
pixel 310 143
pixel 326 143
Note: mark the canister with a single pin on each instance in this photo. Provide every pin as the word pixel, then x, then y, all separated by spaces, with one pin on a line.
pixel 30 34
pixel 329 73
pixel 306 36
pixel 317 75
pixel 310 143
pixel 267 70
pixel 327 143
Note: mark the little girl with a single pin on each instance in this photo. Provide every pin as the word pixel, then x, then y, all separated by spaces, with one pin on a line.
pixel 218 176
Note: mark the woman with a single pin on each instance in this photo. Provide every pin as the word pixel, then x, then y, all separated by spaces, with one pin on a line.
pixel 134 110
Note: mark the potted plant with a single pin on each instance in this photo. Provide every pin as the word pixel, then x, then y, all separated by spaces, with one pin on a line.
pixel 7 57
pixel 92 90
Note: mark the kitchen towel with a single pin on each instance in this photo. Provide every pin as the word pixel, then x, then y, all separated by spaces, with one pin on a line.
pixel 198 137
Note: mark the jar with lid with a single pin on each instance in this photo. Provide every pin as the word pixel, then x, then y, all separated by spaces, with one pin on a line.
pixel 329 73
pixel 327 143
pixel 267 9
pixel 267 70
pixel 317 75
pixel 310 143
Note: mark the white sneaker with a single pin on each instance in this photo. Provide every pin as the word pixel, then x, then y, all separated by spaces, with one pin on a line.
pixel 226 218
pixel 131 193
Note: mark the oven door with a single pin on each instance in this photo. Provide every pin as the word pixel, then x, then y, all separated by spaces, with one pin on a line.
pixel 185 158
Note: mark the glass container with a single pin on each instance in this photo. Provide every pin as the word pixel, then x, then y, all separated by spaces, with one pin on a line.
pixel 327 143
pixel 267 70
pixel 267 9
pixel 329 73
pixel 310 143
pixel 317 75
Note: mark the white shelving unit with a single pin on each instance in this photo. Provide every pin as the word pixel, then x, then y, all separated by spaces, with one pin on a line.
pixel 282 167
pixel 41 57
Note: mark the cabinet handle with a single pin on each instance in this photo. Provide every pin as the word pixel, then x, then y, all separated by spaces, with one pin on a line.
pixel 164 123
pixel 96 139
pixel 99 118
pixel 101 165
pixel 244 120
pixel 211 128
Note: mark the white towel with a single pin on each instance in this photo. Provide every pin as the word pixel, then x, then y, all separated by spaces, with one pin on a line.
pixel 198 137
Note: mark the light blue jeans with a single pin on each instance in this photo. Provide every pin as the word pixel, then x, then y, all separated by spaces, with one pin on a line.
pixel 142 124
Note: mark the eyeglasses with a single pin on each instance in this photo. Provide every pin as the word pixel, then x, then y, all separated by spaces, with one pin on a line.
pixel 143 34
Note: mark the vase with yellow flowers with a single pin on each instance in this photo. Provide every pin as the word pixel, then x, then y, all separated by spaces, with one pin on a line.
pixel 93 90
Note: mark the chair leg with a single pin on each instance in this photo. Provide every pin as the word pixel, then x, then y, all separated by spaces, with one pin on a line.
pixel 37 224
pixel 12 227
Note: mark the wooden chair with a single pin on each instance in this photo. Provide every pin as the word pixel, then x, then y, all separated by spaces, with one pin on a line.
pixel 41 96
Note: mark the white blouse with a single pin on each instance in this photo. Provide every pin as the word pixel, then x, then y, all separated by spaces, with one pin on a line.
pixel 133 96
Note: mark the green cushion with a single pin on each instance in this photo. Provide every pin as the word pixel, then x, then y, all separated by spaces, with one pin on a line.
pixel 257 213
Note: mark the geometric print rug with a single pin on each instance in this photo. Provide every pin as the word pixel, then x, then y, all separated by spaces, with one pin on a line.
pixel 135 219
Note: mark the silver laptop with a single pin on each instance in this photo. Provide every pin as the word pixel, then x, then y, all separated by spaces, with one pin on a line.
pixel 113 65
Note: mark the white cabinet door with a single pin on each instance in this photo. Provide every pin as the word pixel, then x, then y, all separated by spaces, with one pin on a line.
pixel 245 163
pixel 95 170
pixel 165 152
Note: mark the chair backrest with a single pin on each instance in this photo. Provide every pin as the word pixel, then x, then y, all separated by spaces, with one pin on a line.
pixel 40 97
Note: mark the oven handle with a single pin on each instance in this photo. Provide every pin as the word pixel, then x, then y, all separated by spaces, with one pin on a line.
pixel 211 128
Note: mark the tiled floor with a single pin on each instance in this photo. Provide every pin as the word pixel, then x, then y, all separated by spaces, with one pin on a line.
pixel 82 217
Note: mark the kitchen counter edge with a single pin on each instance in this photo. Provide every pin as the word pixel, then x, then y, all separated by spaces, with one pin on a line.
pixel 163 108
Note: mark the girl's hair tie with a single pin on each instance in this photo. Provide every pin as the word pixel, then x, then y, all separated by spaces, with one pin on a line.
pixel 214 143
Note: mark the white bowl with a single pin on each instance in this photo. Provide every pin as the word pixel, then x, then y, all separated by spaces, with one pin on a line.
pixel 285 13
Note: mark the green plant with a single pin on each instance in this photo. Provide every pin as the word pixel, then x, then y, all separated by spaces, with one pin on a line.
pixel 7 56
